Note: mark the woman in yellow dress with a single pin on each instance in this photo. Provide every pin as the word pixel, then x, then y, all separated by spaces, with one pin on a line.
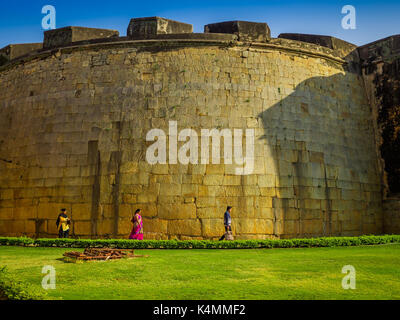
pixel 63 224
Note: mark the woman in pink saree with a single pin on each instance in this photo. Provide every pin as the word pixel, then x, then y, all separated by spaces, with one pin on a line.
pixel 137 231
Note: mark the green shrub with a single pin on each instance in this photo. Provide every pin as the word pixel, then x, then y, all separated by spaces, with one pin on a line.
pixel 203 244
pixel 13 289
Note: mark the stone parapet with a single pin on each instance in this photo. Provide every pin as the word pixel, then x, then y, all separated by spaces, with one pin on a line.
pixel 341 47
pixel 382 51
pixel 65 36
pixel 153 26
pixel 14 51
pixel 244 30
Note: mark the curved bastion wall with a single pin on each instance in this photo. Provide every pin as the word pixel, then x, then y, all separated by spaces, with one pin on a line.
pixel 75 121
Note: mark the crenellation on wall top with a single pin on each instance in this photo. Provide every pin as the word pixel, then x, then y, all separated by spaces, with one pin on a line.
pixel 153 26
pixel 64 36
pixel 162 29
pixel 245 30
pixel 382 50
pixel 341 47
pixel 13 51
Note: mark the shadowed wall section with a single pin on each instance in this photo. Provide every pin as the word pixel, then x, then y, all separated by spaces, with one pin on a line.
pixel 380 62
pixel 327 175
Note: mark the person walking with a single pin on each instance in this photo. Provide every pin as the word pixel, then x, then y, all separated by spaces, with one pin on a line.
pixel 63 224
pixel 137 230
pixel 228 225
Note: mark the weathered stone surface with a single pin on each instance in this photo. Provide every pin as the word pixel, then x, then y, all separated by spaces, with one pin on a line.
pixel 315 162
pixel 14 51
pixel 380 63
pixel 178 211
pixel 212 228
pixel 253 226
pixel 65 36
pixel 184 227
pixel 386 49
pixel 246 31
pixel 155 226
pixel 391 219
pixel 82 228
pixel 342 47
pixel 152 26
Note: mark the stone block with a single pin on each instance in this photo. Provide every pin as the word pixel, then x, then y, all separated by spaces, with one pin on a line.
pixel 68 35
pixel 160 169
pixel 246 31
pixel 6 194
pixel 177 211
pixel 82 228
pixel 6 227
pixel 49 226
pixel 264 213
pixel 232 181
pixel 81 211
pixel 17 227
pixel 310 227
pixel 168 189
pixel 146 197
pixel 213 180
pixel 155 226
pixel 253 226
pixel 129 167
pixel 209 213
pixel 6 213
pixel 21 213
pixel 263 202
pixel 217 169
pixel 152 26
pixel 189 190
pixel 291 227
pixel 30 227
pixel 184 227
pixel 125 227
pixel 125 211
pixel 268 192
pixel 14 51
pixel 105 227
pixel 205 202
pixel 212 228
pixel 50 210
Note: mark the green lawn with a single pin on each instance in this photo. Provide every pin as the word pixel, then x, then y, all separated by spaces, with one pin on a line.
pixel 313 273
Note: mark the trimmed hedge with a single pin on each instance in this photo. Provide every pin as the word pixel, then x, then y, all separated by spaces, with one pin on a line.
pixel 202 244
pixel 13 289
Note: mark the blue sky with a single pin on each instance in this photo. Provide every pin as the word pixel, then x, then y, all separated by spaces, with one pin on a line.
pixel 20 21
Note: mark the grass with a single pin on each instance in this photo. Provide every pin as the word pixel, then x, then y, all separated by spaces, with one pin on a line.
pixel 261 274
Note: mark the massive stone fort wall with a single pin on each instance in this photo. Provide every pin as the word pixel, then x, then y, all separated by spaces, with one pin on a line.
pixel 75 112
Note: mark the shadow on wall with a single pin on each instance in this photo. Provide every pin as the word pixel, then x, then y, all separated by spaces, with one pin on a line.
pixel 321 138
pixel 388 94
